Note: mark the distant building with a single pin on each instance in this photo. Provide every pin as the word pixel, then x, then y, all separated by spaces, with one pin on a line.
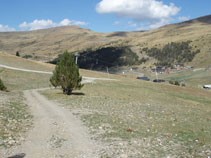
pixel 159 69
pixel 179 66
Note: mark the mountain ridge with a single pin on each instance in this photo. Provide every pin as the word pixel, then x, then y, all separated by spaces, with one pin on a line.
pixel 47 44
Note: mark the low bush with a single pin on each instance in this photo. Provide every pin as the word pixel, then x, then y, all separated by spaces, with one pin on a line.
pixel 2 86
pixel 27 56
pixel 17 54
pixel 171 82
pixel 177 83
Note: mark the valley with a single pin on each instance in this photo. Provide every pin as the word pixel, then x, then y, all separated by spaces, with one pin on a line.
pixel 117 113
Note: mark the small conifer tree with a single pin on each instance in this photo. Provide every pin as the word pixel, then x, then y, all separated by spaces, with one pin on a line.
pixel 17 54
pixel 66 74
pixel 2 86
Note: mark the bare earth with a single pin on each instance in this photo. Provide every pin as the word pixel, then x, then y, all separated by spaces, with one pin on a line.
pixel 56 132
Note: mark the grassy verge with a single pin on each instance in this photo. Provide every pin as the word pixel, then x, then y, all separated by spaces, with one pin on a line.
pixel 141 119
pixel 190 78
pixel 15 118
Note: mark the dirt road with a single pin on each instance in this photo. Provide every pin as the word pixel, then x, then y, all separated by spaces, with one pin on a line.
pixel 91 79
pixel 56 132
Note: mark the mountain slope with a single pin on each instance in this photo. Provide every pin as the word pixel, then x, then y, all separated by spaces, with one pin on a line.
pixel 197 30
pixel 46 44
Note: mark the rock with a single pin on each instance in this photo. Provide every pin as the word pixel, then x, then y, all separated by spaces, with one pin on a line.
pixel 21 155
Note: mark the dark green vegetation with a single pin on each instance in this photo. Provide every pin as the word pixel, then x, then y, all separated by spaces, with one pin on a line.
pixel 101 58
pixel 107 57
pixel 172 53
pixel 2 86
pixel 177 83
pixel 27 56
pixel 17 54
pixel 66 74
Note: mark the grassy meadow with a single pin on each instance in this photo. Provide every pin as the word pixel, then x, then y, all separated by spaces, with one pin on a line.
pixel 132 118
pixel 143 119
pixel 15 117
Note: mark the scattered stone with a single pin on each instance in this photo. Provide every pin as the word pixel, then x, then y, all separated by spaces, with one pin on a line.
pixel 21 155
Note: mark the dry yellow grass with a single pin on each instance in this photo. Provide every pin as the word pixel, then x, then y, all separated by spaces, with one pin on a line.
pixel 130 116
pixel 48 43
pixel 18 62
pixel 143 119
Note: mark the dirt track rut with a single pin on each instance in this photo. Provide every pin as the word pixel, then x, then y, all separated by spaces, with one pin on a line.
pixel 56 132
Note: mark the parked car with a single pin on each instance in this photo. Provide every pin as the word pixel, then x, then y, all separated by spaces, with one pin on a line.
pixel 143 78
pixel 207 86
pixel 158 80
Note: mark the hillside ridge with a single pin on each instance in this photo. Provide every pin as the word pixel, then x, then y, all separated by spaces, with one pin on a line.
pixel 47 44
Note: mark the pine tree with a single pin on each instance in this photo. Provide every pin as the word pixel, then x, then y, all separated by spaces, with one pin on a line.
pixel 17 54
pixel 66 74
pixel 2 86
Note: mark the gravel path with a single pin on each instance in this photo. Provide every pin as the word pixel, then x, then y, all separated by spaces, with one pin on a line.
pixel 44 72
pixel 56 132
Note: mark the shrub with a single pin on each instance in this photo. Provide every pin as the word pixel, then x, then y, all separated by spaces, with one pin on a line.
pixel 17 54
pixel 176 83
pixel 66 74
pixel 27 56
pixel 2 86
pixel 171 82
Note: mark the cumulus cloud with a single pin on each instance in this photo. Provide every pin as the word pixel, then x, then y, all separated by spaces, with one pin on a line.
pixel 6 28
pixel 43 24
pixel 131 24
pixel 158 24
pixel 184 18
pixel 116 23
pixel 153 11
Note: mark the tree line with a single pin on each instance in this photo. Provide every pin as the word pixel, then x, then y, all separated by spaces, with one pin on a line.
pixel 172 53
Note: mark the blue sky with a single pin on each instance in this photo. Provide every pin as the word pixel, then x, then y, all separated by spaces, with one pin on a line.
pixel 98 15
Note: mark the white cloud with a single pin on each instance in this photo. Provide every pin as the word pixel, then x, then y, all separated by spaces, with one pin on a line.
pixel 38 24
pixel 131 24
pixel 65 22
pixel 6 28
pixel 184 18
pixel 116 23
pixel 78 23
pixel 152 11
pixel 43 24
pixel 152 25
pixel 162 22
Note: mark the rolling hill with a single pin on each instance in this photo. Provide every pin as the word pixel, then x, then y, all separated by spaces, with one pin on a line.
pixel 46 44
